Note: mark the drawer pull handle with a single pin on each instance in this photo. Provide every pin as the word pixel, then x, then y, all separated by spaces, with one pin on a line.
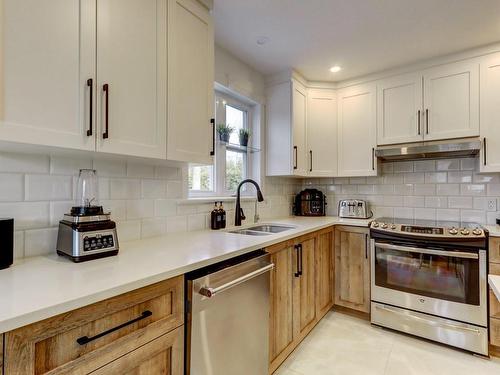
pixel 85 339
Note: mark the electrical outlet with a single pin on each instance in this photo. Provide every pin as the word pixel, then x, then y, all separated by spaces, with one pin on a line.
pixel 492 204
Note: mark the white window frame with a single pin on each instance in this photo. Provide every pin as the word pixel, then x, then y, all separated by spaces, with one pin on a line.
pixel 219 166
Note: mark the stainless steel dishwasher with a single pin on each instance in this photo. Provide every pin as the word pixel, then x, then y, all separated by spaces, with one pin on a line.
pixel 227 317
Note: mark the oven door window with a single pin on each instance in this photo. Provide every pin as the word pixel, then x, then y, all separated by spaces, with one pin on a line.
pixel 444 277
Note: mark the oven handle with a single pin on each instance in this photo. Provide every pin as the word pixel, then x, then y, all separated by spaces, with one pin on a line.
pixel 431 322
pixel 455 254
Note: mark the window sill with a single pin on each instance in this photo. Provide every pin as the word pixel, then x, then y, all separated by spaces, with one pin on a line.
pixel 201 200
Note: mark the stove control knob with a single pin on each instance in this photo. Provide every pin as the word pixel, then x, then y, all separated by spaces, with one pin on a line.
pixel 384 226
pixel 465 232
pixel 393 226
pixel 375 224
pixel 477 232
pixel 453 231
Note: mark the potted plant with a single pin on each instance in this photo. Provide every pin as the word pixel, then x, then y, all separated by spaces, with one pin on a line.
pixel 244 134
pixel 224 132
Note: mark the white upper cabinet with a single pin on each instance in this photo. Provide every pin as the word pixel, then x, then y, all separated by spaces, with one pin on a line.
pixel 299 113
pixel 132 77
pixel 399 109
pixel 190 82
pixel 322 132
pixel 357 130
pixel 47 50
pixel 490 113
pixel 286 129
pixel 451 101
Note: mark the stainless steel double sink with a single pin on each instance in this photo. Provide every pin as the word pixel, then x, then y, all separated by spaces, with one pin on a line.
pixel 263 229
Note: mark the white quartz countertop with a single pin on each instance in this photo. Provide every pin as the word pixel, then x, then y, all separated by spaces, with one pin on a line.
pixel 41 287
pixel 494 282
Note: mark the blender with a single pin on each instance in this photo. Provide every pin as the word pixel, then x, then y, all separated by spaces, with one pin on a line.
pixel 87 232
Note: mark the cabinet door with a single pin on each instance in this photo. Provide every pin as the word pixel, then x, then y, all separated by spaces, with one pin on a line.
pixel 162 356
pixel 299 104
pixel 132 67
pixel 352 269
pixel 305 289
pixel 399 109
pixel 322 132
pixel 356 130
pixel 451 101
pixel 190 82
pixel 490 113
pixel 281 318
pixel 48 54
pixel 324 273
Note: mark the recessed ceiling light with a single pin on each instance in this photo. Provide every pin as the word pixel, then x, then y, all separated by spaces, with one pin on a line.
pixel 261 40
pixel 335 69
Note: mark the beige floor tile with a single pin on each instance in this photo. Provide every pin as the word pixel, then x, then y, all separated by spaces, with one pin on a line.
pixel 343 345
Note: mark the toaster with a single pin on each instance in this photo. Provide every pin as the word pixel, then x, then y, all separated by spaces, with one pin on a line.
pixel 354 209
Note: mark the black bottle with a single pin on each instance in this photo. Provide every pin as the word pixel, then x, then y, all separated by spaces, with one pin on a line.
pixel 222 213
pixel 214 217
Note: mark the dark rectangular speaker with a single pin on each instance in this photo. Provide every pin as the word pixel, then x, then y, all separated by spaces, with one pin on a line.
pixel 6 242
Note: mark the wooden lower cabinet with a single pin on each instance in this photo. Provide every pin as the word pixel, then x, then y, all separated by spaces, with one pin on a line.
pixel 325 287
pixel 84 340
pixel 494 312
pixel 352 268
pixel 301 290
pixel 164 355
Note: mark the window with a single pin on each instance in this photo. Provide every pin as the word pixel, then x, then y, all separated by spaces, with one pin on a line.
pixel 232 161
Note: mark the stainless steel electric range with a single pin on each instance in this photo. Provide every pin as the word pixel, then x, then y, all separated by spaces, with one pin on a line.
pixel 429 279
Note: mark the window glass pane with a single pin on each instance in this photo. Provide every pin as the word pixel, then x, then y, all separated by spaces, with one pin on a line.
pixel 201 178
pixel 235 118
pixel 235 169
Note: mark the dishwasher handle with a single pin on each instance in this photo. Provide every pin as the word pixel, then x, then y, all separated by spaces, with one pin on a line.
pixel 210 292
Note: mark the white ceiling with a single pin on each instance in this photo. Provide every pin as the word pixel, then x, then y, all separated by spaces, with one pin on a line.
pixel 362 36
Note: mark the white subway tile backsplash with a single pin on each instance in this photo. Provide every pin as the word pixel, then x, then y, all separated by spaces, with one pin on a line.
pixel 448 165
pixel 493 190
pixel 39 187
pixel 40 241
pixel 387 168
pixel 154 188
pixel 168 173
pixel 174 189
pixel 468 164
pixel 425 166
pixel 68 166
pixel 448 214
pixel 414 178
pixel 153 227
pixel 125 188
pixel 197 222
pixel 18 244
pixel 128 230
pixel 26 215
pixel 393 200
pixel 425 213
pixel 435 177
pixel 140 208
pixel 24 163
pixel 57 211
pixel 110 168
pixel 357 180
pixel 405 189
pixel 413 201
pixel 177 224
pixel 140 171
pixel 460 202
pixel 462 177
pixel 404 166
pixel 117 207
pixel 165 207
pixel 473 216
pixel 11 187
pixel 448 189
pixel 425 189
pixel 436 202
pixel 472 189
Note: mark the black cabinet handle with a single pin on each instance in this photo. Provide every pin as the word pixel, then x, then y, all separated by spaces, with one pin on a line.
pixel 366 246
pixel 85 339
pixel 297 249
pixel 418 121
pixel 296 157
pixel 373 158
pixel 427 121
pixel 105 88
pixel 484 150
pixel 311 155
pixel 301 260
pixel 212 121
pixel 90 84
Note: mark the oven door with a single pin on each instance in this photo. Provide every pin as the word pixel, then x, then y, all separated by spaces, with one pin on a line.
pixel 438 281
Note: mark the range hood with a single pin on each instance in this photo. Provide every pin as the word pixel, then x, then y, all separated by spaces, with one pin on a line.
pixel 430 151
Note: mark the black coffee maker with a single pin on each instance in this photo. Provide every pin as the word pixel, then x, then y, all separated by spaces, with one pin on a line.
pixel 310 202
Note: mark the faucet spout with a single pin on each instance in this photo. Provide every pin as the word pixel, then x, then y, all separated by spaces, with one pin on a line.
pixel 238 216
